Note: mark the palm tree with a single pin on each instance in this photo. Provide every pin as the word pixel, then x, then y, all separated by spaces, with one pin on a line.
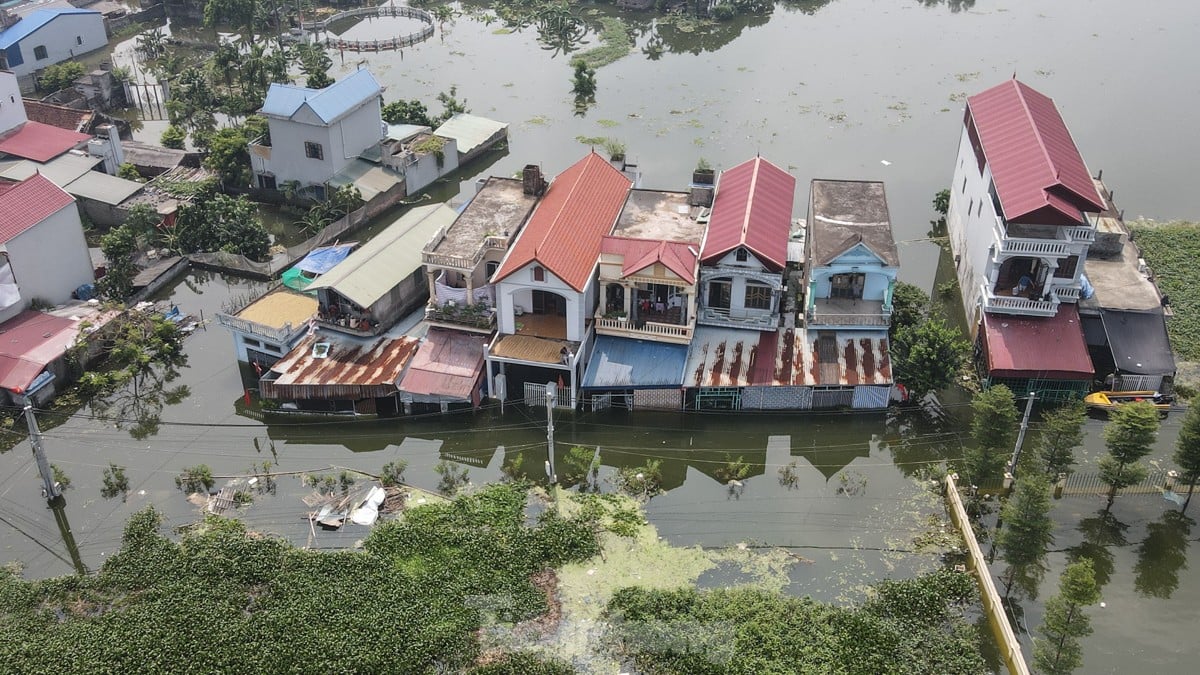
pixel 313 221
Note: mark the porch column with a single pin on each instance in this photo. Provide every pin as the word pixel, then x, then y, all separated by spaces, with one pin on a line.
pixel 470 289
pixel 628 301
pixel 431 275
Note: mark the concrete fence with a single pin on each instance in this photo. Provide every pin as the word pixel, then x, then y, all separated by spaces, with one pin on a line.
pixel 398 42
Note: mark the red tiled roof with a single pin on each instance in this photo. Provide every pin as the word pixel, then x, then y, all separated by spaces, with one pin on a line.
pixel 29 203
pixel 639 254
pixel 71 119
pixel 752 208
pixel 40 142
pixel 566 227
pixel 1046 347
pixel 1039 175
pixel 28 343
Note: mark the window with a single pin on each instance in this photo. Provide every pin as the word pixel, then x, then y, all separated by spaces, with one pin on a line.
pixel 742 255
pixel 78 40
pixel 313 150
pixel 539 274
pixel 980 208
pixel 758 296
pixel 847 286
pixel 964 187
pixel 1066 267
pixel 272 348
pixel 39 52
pixel 718 294
pixel 251 342
pixel 490 267
pixel 970 206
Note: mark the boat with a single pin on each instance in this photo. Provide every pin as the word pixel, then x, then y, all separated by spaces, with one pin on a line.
pixel 1109 400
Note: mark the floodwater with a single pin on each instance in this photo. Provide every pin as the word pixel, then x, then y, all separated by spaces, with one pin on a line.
pixel 842 89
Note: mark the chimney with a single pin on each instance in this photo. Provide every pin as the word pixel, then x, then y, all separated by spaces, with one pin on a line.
pixel 107 144
pixel 532 180
pixel 7 18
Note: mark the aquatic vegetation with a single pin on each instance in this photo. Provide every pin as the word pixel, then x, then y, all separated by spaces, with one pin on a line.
pixel 1171 250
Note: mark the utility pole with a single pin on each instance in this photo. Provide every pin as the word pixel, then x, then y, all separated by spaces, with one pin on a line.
pixel 1012 467
pixel 551 399
pixel 49 487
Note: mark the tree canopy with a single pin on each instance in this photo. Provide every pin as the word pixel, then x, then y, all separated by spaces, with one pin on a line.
pixel 1187 451
pixel 1062 432
pixel 220 223
pixel 1056 651
pixel 993 434
pixel 910 306
pixel 926 356
pixel 1129 436
pixel 1027 529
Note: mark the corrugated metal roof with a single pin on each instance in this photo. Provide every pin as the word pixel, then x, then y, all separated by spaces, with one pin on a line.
pixel 352 369
pixel 1047 347
pixel 329 104
pixel 40 142
pixel 723 357
pixel 29 203
pixel 33 22
pixel 566 227
pixel 752 208
pixel 370 179
pixel 391 256
pixel 1038 171
pixel 470 131
pixel 103 188
pixel 32 340
pixel 61 170
pixel 618 363
pixel 1139 341
pixel 531 349
pixel 448 364
pixel 403 132
pixel 845 213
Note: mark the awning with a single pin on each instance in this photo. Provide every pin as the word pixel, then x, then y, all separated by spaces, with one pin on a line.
pixel 321 260
pixel 1139 342
pixel 624 363
pixel 1049 348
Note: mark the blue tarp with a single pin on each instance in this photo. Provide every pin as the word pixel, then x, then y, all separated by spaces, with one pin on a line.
pixel 624 363
pixel 321 260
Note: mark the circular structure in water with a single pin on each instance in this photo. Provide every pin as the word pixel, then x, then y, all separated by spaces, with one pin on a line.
pixel 374 44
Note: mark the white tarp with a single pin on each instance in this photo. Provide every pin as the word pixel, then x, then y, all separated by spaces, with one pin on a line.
pixel 368 513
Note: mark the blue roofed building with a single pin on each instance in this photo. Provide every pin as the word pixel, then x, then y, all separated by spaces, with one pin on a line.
pixel 45 37
pixel 635 374
pixel 315 133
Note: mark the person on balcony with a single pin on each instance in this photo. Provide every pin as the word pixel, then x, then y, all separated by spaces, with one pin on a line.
pixel 1023 285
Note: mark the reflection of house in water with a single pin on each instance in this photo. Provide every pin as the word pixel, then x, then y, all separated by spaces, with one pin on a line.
pixel 382 281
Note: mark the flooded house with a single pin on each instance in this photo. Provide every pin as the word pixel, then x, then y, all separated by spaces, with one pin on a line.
pixel 546 287
pixel 462 257
pixel 268 327
pixel 446 371
pixel 43 37
pixel 382 281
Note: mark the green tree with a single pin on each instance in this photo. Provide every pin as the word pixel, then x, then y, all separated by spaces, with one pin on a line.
pixel 993 433
pixel 1062 432
pixel 583 84
pixel 129 172
pixel 114 482
pixel 1187 451
pixel 119 247
pixel 220 223
pixel 174 137
pixel 197 478
pixel 1129 435
pixel 927 356
pixel 315 65
pixel 60 76
pixel 451 106
pixel 1057 651
pixel 407 112
pixel 229 156
pixel 910 306
pixel 1027 528
pixel 941 202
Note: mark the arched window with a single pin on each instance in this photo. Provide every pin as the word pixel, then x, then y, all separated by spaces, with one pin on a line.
pixel 539 273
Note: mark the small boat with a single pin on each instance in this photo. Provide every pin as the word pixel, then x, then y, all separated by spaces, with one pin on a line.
pixel 1109 400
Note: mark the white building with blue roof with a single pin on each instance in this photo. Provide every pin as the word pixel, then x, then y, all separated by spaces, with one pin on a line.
pixel 48 36
pixel 315 133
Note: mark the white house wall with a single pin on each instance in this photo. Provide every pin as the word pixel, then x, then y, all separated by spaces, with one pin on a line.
pixel 517 289
pixel 50 260
pixel 340 143
pixel 12 109
pixel 426 169
pixel 971 233
pixel 65 37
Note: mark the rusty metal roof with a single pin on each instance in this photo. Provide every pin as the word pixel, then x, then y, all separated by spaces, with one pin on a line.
pixel 352 369
pixel 722 357
pixel 447 364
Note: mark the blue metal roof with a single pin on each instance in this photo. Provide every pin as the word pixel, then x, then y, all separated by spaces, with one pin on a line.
pixel 330 103
pixel 624 363
pixel 33 21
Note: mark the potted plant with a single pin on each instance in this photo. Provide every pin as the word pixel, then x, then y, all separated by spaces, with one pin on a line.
pixel 703 174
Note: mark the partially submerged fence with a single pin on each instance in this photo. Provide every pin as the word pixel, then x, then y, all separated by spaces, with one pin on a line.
pixel 1079 483
pixel 398 42
pixel 1006 639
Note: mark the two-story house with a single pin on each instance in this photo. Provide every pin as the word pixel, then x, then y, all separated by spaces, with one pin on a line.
pixel 461 258
pixel 315 133
pixel 745 252
pixel 45 37
pixel 1019 231
pixel 546 286
pixel 851 257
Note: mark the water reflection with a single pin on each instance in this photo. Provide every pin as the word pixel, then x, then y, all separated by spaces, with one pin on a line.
pixel 1162 555
pixel 1100 533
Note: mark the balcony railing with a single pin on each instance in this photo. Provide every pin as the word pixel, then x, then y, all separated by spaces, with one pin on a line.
pixel 717 316
pixel 1087 234
pixel 816 318
pixel 848 312
pixel 664 332
pixel 281 335
pixel 1008 304
pixel 1067 293
pixel 472 316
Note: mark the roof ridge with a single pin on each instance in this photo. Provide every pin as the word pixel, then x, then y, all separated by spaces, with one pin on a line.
pixel 750 199
pixel 1037 132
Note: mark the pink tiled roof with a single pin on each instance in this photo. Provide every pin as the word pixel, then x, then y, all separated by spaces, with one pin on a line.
pixel 1039 174
pixel 29 203
pixel 32 340
pixel 566 227
pixel 753 208
pixel 40 142
pixel 677 256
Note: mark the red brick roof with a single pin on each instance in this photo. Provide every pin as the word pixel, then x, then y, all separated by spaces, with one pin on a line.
pixel 677 256
pixel 1044 347
pixel 40 142
pixel 566 227
pixel 28 204
pixel 752 208
pixel 71 119
pixel 1039 174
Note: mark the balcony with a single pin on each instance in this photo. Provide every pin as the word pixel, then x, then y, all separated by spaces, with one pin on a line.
pixel 476 318
pixel 1040 240
pixel 651 330
pixel 998 302
pixel 848 313
pixel 722 317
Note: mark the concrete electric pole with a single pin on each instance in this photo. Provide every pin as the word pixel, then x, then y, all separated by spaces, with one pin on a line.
pixel 49 487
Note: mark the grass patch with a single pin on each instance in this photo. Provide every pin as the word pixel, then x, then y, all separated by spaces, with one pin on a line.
pixel 1171 250
pixel 615 44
